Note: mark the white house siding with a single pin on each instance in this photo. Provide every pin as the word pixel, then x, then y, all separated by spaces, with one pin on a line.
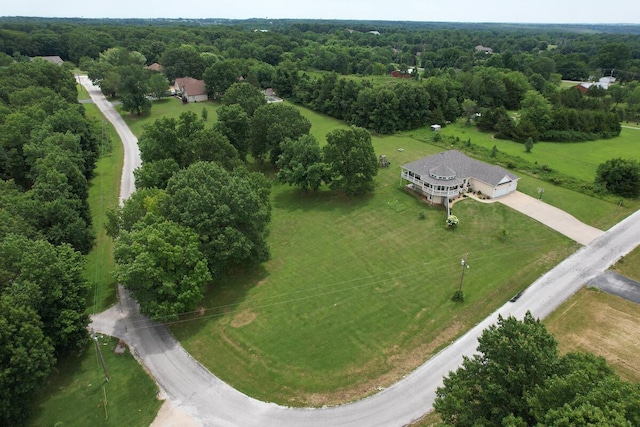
pixel 198 98
pixel 506 188
pixel 483 187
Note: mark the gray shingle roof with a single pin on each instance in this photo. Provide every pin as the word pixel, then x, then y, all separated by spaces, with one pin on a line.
pixel 463 166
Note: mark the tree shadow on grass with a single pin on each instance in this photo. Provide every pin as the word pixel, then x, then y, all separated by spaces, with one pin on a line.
pixel 294 199
pixel 222 297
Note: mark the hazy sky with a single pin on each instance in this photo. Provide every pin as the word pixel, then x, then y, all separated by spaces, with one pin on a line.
pixel 538 11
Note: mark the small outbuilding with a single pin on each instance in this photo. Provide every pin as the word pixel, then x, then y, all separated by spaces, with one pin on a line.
pixel 436 128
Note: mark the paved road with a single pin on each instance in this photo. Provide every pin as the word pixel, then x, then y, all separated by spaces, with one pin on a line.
pixel 199 393
pixel 129 140
pixel 613 283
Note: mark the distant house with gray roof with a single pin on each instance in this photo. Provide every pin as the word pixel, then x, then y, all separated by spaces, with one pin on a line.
pixel 484 49
pixel 445 176
pixel 53 59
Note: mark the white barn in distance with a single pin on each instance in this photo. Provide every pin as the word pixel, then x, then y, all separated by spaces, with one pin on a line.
pixel 445 176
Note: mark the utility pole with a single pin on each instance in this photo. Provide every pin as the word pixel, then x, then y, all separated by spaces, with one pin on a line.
pixel 465 265
pixel 104 365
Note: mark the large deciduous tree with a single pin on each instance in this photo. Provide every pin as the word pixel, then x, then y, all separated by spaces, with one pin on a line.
pixel 301 163
pixel 518 379
pixel 271 125
pixel 52 278
pixel 234 123
pixel 247 96
pixel 182 61
pixel 155 174
pixel 158 85
pixel 219 77
pixel 620 176
pixel 162 265
pixel 133 88
pixel 26 359
pixel 514 357
pixel 536 110
pixel 351 160
pixel 185 141
pixel 230 212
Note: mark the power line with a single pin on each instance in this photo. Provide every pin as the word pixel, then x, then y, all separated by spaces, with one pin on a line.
pixel 324 289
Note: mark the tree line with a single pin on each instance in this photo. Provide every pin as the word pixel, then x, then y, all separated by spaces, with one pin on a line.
pixel 48 151
pixel 543 54
pixel 523 59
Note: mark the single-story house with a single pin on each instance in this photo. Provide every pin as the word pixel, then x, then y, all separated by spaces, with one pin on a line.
pixel 191 90
pixel 445 176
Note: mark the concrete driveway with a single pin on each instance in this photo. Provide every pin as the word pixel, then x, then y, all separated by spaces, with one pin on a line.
pixel 551 216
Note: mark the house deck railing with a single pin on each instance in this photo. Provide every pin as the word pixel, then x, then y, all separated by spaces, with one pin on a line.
pixel 418 184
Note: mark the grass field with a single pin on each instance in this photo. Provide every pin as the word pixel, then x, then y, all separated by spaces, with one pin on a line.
pixel 334 288
pixel 169 107
pixel 104 190
pixel 75 394
pixel 358 292
pixel 603 324
pixel 629 266
pixel 577 159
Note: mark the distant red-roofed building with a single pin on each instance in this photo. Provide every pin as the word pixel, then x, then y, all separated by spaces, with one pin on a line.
pixel 400 74
pixel 191 90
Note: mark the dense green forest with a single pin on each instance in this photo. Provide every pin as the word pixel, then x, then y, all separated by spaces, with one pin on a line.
pixel 502 78
pixel 48 153
pixel 338 67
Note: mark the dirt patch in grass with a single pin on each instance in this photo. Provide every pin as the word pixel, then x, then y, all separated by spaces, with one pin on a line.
pixel 603 324
pixel 243 319
pixel 401 363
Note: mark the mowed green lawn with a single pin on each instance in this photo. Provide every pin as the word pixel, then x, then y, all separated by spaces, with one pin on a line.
pixel 358 292
pixel 104 190
pixel 168 107
pixel 75 395
pixel 577 159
